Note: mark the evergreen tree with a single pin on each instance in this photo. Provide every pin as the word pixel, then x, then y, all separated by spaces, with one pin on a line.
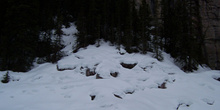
pixel 128 27
pixel 180 25
pixel 157 40
pixel 57 44
pixel 135 24
pixel 46 25
pixel 81 26
pixel 3 10
pixel 156 48
pixel 145 20
pixel 20 35
pixel 6 78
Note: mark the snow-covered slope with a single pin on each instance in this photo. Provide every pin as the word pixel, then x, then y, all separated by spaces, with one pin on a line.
pixel 97 78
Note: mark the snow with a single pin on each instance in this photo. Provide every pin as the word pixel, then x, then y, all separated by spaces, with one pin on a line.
pixel 46 88
pixel 68 38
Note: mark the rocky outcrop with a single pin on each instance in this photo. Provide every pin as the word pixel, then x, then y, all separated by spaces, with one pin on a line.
pixel 210 13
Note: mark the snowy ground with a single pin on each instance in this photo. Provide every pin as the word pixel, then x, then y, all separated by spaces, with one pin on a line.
pixel 149 85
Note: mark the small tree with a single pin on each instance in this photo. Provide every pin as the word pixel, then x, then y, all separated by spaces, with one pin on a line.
pixel 6 78
pixel 156 48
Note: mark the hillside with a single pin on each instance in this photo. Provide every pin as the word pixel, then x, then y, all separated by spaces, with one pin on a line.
pixel 107 78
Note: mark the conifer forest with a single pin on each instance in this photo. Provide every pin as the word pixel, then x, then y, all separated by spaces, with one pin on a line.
pixel 31 29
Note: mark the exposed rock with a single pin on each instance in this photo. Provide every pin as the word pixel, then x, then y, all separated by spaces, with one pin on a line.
pixel 92 97
pixel 98 76
pixel 162 86
pixel 115 74
pixel 129 92
pixel 129 66
pixel 117 96
pixel 90 72
pixel 182 104
pixel 218 79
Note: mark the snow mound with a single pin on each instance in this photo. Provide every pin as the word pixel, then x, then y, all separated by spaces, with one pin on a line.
pixel 149 85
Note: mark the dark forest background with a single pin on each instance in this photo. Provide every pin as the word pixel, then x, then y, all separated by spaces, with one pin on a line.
pixel 173 26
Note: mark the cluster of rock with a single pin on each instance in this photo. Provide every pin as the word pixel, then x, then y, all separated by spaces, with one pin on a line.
pixel 93 71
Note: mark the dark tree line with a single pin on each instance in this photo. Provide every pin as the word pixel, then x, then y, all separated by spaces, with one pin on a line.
pixel 121 22
pixel 26 29
pixel 182 32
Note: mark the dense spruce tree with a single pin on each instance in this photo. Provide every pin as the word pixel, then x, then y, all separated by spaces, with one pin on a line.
pixel 135 25
pixel 57 43
pixel 180 21
pixel 46 25
pixel 145 18
pixel 198 35
pixel 26 32
pixel 81 26
pixel 157 44
pixel 3 12
pixel 128 27
pixel 20 35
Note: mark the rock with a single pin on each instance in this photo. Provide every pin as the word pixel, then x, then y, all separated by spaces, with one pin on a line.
pixel 129 92
pixel 92 97
pixel 128 66
pixel 90 72
pixel 162 86
pixel 115 74
pixel 117 96
pixel 182 104
pixel 218 79
pixel 98 76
